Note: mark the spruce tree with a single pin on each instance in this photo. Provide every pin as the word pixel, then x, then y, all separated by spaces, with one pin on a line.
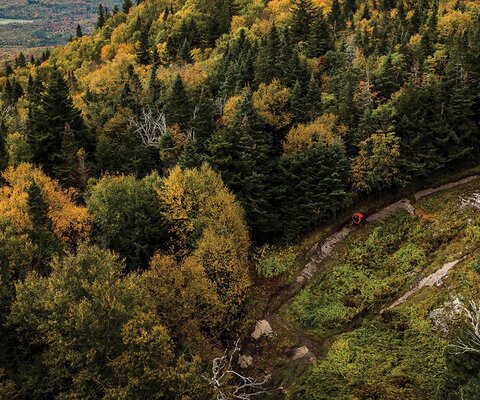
pixel 143 51
pixel 21 61
pixel 314 187
pixel 312 99
pixel 266 67
pixel 336 18
pixel 154 85
pixel 66 168
pixel 386 82
pixel 303 14
pixel 177 104
pixel 101 17
pixel 79 32
pixel 243 153
pixel 127 5
pixel 319 38
pixel 47 120
pixel 46 242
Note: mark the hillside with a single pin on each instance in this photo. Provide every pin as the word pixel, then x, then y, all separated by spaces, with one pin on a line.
pixel 26 24
pixel 191 167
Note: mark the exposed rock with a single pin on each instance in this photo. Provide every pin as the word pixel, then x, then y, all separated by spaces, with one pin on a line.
pixel 447 315
pixel 472 201
pixel 299 353
pixel 262 328
pixel 245 361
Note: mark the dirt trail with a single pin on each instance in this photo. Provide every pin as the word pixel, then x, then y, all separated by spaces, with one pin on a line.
pixel 321 251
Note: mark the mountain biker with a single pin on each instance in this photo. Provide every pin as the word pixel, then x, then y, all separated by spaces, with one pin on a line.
pixel 357 218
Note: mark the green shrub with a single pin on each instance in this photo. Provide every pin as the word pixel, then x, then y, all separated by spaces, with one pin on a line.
pixel 475 265
pixel 271 262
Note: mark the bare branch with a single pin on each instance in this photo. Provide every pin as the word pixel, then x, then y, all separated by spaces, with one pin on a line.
pixel 150 127
pixel 471 342
pixel 4 111
pixel 229 384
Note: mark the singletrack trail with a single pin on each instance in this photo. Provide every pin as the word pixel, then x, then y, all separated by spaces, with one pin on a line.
pixel 326 248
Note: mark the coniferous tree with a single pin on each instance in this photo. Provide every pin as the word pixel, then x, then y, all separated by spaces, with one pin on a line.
pixel 319 38
pixel 314 187
pixel 101 17
pixel 79 32
pixel 177 104
pixel 243 153
pixel 154 85
pixel 336 18
pixel 47 120
pixel 386 81
pixel 312 99
pixel 8 69
pixel 127 5
pixel 303 14
pixel 65 170
pixel 266 62
pixel 143 51
pixel 21 61
pixel 46 242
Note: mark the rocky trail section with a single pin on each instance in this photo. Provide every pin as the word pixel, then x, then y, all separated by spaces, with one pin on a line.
pixel 321 251
pixel 431 280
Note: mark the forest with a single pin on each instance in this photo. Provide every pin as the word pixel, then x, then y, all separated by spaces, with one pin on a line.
pixel 149 169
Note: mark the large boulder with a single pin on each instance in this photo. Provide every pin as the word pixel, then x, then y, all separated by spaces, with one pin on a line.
pixel 262 328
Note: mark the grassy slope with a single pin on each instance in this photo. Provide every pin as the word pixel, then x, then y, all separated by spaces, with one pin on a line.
pixel 398 354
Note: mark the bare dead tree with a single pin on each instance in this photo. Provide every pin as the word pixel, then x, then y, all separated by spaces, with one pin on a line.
pixel 150 127
pixel 4 111
pixel 471 342
pixel 228 384
pixel 220 104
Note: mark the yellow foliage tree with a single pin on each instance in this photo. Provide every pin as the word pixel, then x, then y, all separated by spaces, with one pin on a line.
pixel 230 110
pixel 375 167
pixel 209 230
pixel 271 102
pixel 70 221
pixel 325 129
pixel 179 290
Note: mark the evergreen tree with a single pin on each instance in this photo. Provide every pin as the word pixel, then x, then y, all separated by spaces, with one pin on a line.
pixel 336 18
pixel 312 99
pixel 8 69
pixel 319 39
pixel 101 17
pixel 21 61
pixel 143 51
pixel 47 120
pixel 177 104
pixel 266 67
pixel 65 170
pixel 46 242
pixel 366 12
pixel 314 187
pixel 386 82
pixel 303 14
pixel 243 153
pixel 127 5
pixel 79 32
pixel 154 85
pixel 202 124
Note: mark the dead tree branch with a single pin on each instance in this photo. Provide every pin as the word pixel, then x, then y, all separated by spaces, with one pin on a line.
pixel 471 342
pixel 228 384
pixel 150 127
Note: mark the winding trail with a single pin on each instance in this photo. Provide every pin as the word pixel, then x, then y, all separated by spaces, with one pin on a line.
pixel 325 249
